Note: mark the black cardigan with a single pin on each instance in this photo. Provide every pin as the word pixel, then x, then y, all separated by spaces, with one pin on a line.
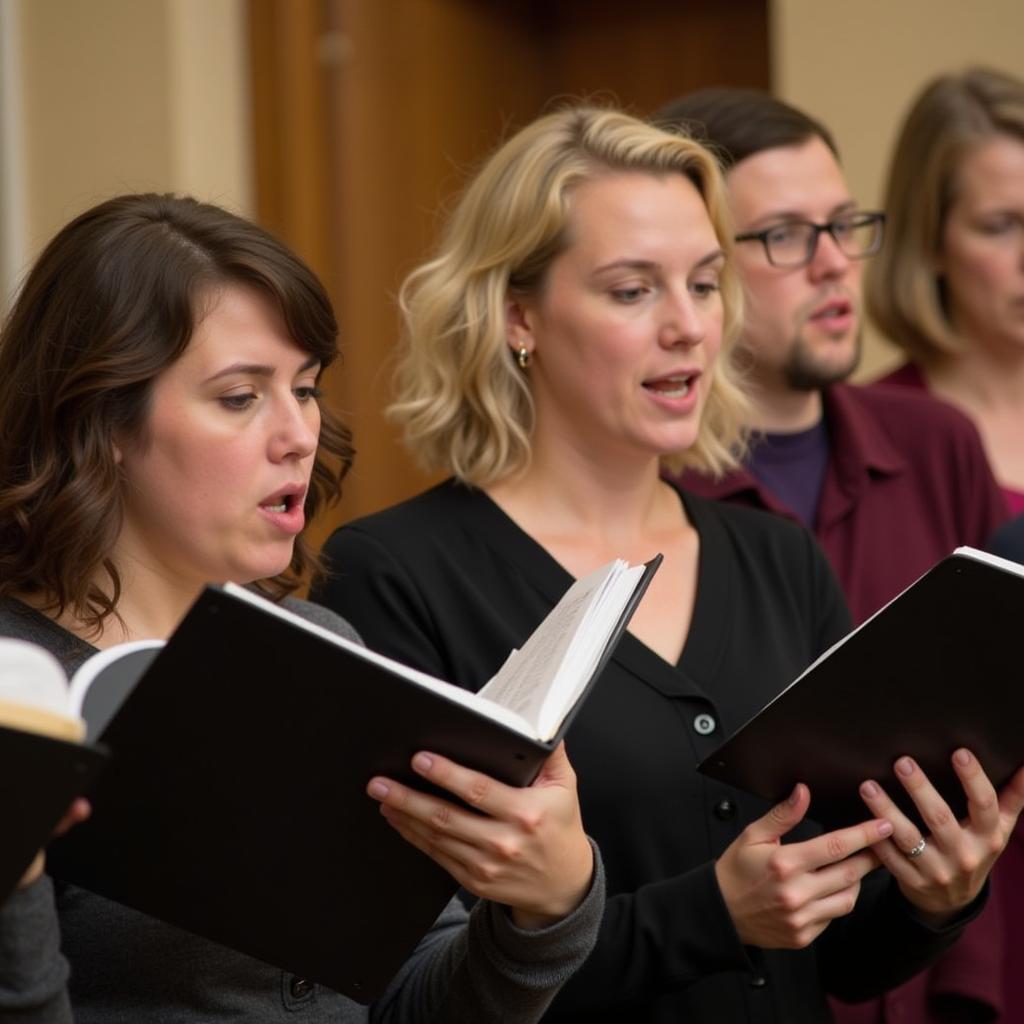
pixel 448 583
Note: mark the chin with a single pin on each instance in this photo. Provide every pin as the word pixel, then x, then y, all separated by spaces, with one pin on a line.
pixel 261 569
pixel 674 447
pixel 808 370
pixel 274 570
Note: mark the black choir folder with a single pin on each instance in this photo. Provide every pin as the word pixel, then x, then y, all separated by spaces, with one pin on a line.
pixel 44 764
pixel 937 668
pixel 234 803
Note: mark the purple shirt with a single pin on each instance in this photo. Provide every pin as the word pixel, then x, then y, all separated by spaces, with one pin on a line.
pixel 792 467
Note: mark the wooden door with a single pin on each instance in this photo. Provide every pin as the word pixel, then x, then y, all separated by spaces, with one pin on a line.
pixel 370 114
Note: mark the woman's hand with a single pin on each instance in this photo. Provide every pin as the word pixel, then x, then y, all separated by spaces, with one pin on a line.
pixel 783 896
pixel 78 811
pixel 941 873
pixel 526 848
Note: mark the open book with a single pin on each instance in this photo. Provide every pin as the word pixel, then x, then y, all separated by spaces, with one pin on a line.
pixel 234 802
pixel 937 668
pixel 538 686
pixel 43 762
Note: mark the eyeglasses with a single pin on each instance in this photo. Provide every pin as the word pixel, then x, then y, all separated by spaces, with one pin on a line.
pixel 793 243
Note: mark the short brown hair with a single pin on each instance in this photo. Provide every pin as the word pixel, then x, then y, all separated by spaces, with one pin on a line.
pixel 737 123
pixel 111 302
pixel 952 115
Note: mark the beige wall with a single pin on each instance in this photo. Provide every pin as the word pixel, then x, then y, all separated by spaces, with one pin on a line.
pixel 102 96
pixel 858 65
pixel 119 95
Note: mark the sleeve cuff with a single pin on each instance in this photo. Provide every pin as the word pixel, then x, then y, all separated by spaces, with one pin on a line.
pixel 33 973
pixel 953 924
pixel 573 936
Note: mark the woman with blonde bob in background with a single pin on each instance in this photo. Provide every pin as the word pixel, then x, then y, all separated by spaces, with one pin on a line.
pixel 572 336
pixel 948 287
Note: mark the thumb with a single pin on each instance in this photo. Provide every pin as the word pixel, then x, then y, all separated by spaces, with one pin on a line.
pixel 556 770
pixel 79 810
pixel 782 817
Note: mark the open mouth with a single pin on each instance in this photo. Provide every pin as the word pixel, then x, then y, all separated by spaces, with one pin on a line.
pixel 835 310
pixel 284 501
pixel 674 386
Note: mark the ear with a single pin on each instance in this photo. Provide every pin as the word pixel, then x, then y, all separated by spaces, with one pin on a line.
pixel 118 454
pixel 518 325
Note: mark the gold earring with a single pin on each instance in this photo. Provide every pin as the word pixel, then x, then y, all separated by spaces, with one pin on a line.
pixel 523 357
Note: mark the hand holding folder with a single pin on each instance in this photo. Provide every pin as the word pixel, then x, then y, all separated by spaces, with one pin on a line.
pixel 235 804
pixel 931 675
pixel 492 845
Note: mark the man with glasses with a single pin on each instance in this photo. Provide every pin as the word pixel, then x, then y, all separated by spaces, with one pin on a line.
pixel 888 485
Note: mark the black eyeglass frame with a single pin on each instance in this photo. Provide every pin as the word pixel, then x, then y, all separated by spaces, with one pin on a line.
pixel 856 218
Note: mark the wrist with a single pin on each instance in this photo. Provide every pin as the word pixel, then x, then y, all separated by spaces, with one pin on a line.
pixel 561 904
pixel 939 918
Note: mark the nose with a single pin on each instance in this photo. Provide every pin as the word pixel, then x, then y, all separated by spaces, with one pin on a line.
pixel 296 430
pixel 829 261
pixel 682 324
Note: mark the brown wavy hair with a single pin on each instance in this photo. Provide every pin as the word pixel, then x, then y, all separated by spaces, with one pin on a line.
pixel 112 302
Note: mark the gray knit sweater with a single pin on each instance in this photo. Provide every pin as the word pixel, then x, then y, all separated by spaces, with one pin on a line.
pixel 64 947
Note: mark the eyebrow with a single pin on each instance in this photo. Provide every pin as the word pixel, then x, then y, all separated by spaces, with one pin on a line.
pixel 258 369
pixel 628 264
pixel 712 257
pixel 783 216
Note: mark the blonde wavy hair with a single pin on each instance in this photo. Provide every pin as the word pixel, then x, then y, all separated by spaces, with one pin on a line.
pixel 464 405
pixel 953 115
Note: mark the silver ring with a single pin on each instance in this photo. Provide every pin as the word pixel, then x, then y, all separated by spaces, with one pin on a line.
pixel 917 850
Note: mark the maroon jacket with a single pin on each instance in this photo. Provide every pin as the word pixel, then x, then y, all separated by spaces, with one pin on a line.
pixel 907 482
pixel 1008 877
pixel 909 375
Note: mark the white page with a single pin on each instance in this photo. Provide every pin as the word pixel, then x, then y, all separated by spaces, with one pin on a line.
pixel 587 647
pixel 997 560
pixel 542 679
pixel 33 677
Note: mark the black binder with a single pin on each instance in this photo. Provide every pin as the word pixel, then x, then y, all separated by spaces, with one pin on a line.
pixel 937 668
pixel 39 778
pixel 234 805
